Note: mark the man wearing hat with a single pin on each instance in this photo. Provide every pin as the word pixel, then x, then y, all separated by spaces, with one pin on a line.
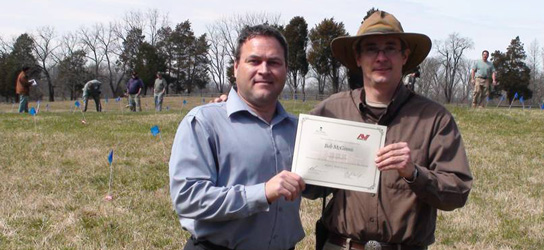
pixel 423 166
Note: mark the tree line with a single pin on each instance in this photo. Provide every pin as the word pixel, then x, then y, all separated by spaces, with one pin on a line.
pixel 146 42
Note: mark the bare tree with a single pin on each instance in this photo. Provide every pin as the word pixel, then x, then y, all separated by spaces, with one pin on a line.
pixel 462 93
pixel 534 63
pixel 133 20
pixel 5 48
pixel 230 28
pixel 320 78
pixel 451 51
pixel 227 30
pixel 218 57
pixel 155 22
pixel 44 47
pixel 91 43
pixel 70 43
pixel 430 80
pixel 70 47
pixel 110 49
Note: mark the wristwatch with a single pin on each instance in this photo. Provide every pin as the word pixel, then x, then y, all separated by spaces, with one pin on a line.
pixel 414 176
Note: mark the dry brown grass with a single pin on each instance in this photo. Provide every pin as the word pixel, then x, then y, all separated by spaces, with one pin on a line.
pixel 54 176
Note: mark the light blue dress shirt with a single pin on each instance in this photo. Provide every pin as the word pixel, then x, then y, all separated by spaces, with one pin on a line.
pixel 222 155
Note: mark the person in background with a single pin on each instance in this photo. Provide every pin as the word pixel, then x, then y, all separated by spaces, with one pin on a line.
pixel 92 88
pixel 481 75
pixel 230 179
pixel 22 88
pixel 412 78
pixel 158 91
pixel 134 88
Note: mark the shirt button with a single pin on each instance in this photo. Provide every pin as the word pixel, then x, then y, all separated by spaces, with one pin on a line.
pixel 371 219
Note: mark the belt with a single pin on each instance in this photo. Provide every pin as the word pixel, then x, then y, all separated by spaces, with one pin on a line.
pixel 368 245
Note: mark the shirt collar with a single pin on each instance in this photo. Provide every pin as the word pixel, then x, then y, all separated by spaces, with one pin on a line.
pixel 402 94
pixel 235 104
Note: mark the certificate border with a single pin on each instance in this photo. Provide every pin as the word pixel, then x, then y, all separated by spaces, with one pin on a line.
pixel 380 129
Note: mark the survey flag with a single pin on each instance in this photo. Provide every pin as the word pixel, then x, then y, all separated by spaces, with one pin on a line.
pixel 110 156
pixel 155 130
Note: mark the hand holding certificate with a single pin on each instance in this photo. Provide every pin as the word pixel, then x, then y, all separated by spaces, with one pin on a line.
pixel 338 153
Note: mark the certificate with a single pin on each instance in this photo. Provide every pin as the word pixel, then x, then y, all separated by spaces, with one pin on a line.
pixel 338 153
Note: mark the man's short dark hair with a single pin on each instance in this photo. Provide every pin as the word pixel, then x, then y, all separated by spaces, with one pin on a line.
pixel 485 51
pixel 25 68
pixel 250 32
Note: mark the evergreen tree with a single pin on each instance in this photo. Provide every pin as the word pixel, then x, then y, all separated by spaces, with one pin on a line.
pixel 72 74
pixel 320 55
pixel 148 62
pixel 12 63
pixel 296 34
pixel 512 72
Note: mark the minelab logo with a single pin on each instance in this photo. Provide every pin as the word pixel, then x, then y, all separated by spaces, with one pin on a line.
pixel 363 137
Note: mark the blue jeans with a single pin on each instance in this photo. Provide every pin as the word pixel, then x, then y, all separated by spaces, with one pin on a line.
pixel 158 101
pixel 23 103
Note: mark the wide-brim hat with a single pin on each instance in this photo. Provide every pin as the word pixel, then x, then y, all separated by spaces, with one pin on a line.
pixel 378 24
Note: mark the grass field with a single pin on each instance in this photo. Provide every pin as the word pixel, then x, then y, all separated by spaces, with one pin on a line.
pixel 54 175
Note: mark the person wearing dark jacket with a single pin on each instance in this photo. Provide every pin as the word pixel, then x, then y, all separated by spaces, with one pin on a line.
pixel 424 166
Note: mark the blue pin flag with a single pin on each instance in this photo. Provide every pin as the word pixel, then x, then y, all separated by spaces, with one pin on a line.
pixel 155 130
pixel 32 111
pixel 521 99
pixel 167 108
pixel 184 101
pixel 542 107
pixel 502 98
pixel 516 95
pixel 110 156
pixel 77 104
pixel 203 100
pixel 38 102
pixel 106 97
pixel 118 99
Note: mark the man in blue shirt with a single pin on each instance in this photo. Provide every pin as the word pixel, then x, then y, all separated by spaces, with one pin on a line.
pixel 134 88
pixel 229 169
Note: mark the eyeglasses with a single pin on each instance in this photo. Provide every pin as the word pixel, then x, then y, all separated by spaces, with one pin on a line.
pixel 373 52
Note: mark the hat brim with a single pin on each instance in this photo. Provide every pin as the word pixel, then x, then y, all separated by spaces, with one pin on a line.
pixel 419 45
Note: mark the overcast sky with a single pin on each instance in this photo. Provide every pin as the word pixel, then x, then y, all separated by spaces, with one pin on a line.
pixel 491 24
